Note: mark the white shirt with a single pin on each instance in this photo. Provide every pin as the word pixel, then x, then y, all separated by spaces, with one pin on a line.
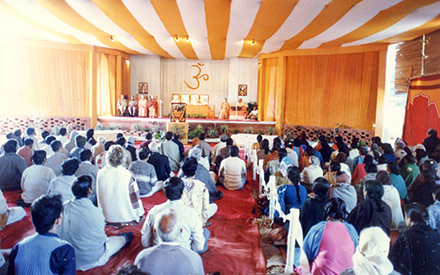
pixel 63 139
pixel 234 170
pixel 293 156
pixel 62 185
pixel 192 231
pixel 35 181
pixel 310 173
pixel 392 198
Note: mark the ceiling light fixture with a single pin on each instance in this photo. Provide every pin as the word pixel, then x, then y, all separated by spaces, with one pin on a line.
pixel 127 62
pixel 112 38
pixel 252 42
pixel 177 38
pixel 187 39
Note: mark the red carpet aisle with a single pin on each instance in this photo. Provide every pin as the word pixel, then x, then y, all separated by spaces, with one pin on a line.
pixel 234 246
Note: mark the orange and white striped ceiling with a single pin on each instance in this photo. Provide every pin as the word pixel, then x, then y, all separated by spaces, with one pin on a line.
pixel 218 29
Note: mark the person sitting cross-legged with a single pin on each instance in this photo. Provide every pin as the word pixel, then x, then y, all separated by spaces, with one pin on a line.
pixel 193 236
pixel 117 191
pixel 169 257
pixel 83 227
pixel 55 160
pixel 43 252
pixel 63 184
pixel 12 167
pixel 195 193
pixel 145 174
pixel 35 180
pixel 232 172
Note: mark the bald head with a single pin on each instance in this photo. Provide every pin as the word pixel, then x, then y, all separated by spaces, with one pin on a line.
pixel 167 226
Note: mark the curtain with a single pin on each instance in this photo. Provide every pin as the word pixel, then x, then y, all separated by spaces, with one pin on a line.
pixel 106 93
pixel 325 90
pixel 266 102
pixel 44 82
pixel 422 109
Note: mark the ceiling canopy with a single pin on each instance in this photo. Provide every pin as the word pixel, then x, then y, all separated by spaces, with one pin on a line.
pixel 218 29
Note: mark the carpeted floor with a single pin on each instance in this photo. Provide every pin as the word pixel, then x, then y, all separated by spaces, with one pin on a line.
pixel 234 245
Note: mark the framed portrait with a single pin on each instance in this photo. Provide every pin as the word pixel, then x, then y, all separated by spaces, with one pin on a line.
pixel 204 99
pixel 184 99
pixel 143 87
pixel 195 99
pixel 178 112
pixel 242 89
pixel 175 98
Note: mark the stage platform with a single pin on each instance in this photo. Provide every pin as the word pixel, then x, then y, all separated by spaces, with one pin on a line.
pixel 142 123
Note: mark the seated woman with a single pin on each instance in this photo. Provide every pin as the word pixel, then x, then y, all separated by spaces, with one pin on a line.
pixel 292 195
pixel 391 197
pixel 344 190
pixel 330 244
pixel 312 211
pixel 371 256
pixel 373 211
pixel 417 250
pixel 117 191
pixel 264 151
pixel 83 226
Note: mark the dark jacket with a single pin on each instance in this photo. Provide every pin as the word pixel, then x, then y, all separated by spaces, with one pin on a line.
pixel 161 165
pixel 368 213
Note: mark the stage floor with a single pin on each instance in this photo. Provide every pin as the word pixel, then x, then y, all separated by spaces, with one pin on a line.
pixel 131 123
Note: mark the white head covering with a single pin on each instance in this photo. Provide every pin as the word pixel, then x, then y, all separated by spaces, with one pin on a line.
pixel 371 256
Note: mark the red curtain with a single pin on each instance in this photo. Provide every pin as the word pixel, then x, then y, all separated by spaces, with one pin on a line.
pixel 422 109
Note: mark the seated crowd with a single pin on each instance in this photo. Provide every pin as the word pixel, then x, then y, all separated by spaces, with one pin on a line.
pixel 352 198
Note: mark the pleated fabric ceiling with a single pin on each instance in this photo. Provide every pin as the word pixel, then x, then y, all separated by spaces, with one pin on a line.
pixel 218 29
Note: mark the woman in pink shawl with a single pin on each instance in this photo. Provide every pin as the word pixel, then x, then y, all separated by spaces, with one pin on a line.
pixel 330 244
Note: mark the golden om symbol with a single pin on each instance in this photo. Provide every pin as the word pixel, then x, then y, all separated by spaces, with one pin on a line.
pixel 197 76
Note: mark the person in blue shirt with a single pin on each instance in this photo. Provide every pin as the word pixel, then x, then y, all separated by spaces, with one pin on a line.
pixel 292 195
pixel 43 252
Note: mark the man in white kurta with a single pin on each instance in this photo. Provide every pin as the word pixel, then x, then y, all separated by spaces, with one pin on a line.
pixel 83 227
pixel 117 191
pixel 55 160
pixel 36 178
pixel 193 236
pixel 232 172
pixel 63 184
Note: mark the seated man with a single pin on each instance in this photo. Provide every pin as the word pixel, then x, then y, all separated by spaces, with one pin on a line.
pixel 160 162
pixel 83 227
pixel 86 168
pixel 9 215
pixel 169 257
pixel 193 236
pixel 195 193
pixel 223 154
pixel 117 191
pixel 26 151
pixel 63 184
pixel 55 160
pixel 232 173
pixel 127 155
pixel 171 150
pixel 35 179
pixel 101 159
pixel 62 136
pixel 43 252
pixel 98 148
pixel 145 174
pixel 80 141
pixel 253 114
pixel 12 167
pixel 46 146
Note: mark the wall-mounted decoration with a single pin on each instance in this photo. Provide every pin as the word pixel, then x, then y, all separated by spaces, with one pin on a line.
pixel 204 99
pixel 195 99
pixel 175 98
pixel 197 76
pixel 184 99
pixel 143 87
pixel 242 89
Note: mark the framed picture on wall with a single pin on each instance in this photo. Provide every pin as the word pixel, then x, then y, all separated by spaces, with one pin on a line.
pixel 143 87
pixel 175 98
pixel 242 89
pixel 204 99
pixel 178 112
pixel 195 99
pixel 184 99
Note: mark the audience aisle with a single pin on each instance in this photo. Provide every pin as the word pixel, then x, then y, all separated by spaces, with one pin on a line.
pixel 234 245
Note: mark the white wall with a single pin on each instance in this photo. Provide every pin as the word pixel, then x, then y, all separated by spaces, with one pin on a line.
pixel 167 76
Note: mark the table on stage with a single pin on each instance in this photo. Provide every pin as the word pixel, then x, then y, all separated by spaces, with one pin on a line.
pixel 199 109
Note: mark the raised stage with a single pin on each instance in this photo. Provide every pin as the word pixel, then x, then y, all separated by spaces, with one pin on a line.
pixel 142 124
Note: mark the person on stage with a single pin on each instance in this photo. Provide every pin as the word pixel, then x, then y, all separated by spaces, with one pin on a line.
pixel 152 106
pixel 142 106
pixel 224 109
pixel 253 114
pixel 122 105
pixel 241 105
pixel 132 106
